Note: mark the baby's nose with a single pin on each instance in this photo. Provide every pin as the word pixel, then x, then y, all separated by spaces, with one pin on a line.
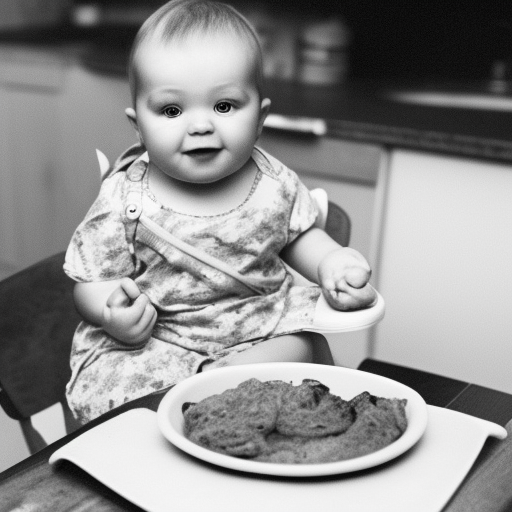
pixel 200 124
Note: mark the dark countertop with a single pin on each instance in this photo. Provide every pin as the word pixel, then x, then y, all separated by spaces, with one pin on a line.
pixel 360 111
pixel 357 110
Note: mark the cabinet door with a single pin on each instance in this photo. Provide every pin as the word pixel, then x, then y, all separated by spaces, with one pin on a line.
pixel 29 92
pixel 444 267
pixel 347 171
pixel 91 116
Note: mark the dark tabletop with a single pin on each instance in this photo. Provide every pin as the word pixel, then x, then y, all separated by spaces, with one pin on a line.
pixel 487 486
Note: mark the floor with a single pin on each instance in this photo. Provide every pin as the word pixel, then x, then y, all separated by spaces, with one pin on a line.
pixel 12 447
pixel 49 423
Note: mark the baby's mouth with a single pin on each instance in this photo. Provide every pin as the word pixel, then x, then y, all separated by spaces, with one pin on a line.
pixel 202 151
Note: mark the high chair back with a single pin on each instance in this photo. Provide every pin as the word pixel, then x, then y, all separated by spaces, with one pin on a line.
pixel 37 322
pixel 337 224
pixel 331 218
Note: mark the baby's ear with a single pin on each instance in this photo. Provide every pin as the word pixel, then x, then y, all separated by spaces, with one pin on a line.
pixel 132 117
pixel 264 110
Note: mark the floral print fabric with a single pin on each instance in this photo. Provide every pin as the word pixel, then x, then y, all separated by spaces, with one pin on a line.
pixel 203 314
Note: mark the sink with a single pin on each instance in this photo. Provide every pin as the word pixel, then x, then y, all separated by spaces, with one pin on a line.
pixel 453 99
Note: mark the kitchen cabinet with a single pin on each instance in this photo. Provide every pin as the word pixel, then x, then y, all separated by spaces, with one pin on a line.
pixel 444 266
pixel 91 116
pixel 30 87
pixel 348 172
pixel 54 116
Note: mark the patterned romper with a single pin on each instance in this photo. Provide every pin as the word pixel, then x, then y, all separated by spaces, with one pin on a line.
pixel 204 314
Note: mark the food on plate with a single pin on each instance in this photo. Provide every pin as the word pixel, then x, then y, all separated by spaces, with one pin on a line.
pixel 278 422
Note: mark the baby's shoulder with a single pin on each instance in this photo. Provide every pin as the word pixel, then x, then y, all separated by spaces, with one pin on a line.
pixel 112 195
pixel 274 168
pixel 114 184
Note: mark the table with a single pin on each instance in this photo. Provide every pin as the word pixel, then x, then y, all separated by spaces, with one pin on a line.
pixel 36 486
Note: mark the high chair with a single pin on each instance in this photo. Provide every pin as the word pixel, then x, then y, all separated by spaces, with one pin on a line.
pixel 37 322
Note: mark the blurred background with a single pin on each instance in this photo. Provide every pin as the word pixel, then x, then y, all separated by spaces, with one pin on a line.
pixel 386 38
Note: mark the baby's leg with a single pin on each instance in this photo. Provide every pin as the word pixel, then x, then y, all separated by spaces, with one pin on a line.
pixel 302 347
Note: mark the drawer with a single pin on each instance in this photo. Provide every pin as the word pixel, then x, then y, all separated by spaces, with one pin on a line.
pixel 324 157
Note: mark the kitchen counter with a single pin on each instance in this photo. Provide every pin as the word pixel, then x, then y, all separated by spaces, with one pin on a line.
pixel 360 111
pixel 356 110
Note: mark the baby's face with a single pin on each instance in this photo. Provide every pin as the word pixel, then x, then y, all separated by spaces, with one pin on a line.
pixel 197 108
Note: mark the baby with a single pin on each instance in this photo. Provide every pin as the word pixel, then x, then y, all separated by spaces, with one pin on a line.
pixel 179 262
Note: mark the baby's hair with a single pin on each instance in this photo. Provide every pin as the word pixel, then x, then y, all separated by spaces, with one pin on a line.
pixel 177 19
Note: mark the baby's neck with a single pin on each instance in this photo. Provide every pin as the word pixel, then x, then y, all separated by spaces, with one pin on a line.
pixel 205 199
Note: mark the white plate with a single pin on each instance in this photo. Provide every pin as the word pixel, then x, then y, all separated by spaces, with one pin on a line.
pixel 343 382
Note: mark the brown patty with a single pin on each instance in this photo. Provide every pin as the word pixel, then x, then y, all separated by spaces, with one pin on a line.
pixel 377 423
pixel 277 422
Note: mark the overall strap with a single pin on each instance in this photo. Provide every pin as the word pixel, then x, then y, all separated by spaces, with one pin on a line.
pixel 133 199
pixel 261 286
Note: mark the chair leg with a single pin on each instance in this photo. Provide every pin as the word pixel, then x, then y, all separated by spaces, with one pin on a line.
pixel 33 438
pixel 70 421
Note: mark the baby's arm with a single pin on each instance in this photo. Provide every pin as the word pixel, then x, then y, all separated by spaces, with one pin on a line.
pixel 118 307
pixel 342 272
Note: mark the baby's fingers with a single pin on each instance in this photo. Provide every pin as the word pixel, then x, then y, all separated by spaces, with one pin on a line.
pixel 145 320
pixel 361 298
pixel 347 298
pixel 357 277
pixel 118 299
pixel 148 318
pixel 139 308
pixel 130 288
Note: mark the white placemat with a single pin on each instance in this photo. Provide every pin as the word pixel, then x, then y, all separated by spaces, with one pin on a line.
pixel 129 454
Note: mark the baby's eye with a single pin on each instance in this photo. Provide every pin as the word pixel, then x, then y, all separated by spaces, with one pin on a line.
pixel 171 111
pixel 223 107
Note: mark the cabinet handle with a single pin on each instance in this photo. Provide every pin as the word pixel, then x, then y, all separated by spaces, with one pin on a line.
pixel 296 124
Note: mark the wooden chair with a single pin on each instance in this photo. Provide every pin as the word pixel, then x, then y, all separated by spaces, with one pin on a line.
pixel 37 322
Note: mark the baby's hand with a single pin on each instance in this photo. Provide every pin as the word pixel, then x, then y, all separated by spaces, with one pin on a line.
pixel 128 314
pixel 344 276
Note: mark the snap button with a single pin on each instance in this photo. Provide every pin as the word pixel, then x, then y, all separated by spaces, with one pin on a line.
pixel 133 211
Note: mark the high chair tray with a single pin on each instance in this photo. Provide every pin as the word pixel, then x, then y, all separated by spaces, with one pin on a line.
pixel 329 320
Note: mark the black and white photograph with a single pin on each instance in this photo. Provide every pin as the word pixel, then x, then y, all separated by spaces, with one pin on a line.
pixel 255 255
